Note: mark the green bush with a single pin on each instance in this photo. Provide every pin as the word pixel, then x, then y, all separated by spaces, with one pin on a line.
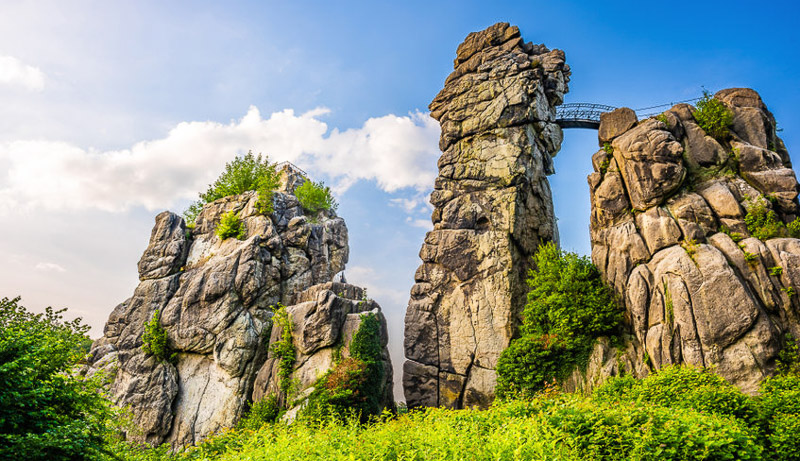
pixel 154 339
pixel 784 438
pixel 789 357
pixel 265 411
pixel 47 411
pixel 315 197
pixel 231 225
pixel 354 388
pixel 568 308
pixel 284 349
pixel 686 387
pixel 625 431
pixel 763 223
pixel 246 173
pixel 713 116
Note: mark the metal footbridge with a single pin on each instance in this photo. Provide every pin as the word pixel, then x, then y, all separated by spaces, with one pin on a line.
pixel 587 115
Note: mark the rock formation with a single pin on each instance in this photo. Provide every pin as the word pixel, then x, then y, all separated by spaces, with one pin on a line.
pixel 215 299
pixel 324 321
pixel 669 235
pixel 493 207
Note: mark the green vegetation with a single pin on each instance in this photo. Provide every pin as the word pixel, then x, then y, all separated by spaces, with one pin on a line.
pixel 751 258
pixel 315 197
pixel 764 224
pixel 355 386
pixel 789 357
pixel 608 148
pixel 265 411
pixel 568 308
pixel 677 413
pixel 663 119
pixel 776 270
pixel 243 174
pixel 230 225
pixel 47 411
pixel 735 236
pixel 284 349
pixel 154 339
pixel 713 116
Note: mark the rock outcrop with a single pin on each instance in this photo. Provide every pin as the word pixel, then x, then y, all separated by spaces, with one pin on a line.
pixel 493 207
pixel 324 321
pixel 669 235
pixel 215 300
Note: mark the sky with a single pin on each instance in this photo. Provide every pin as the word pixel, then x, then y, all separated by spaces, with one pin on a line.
pixel 115 111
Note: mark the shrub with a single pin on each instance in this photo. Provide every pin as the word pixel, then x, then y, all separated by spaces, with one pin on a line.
pixel 284 349
pixel 265 411
pixel 713 116
pixel 154 339
pixel 794 228
pixel 354 388
pixel 686 387
pixel 246 173
pixel 784 438
pixel 789 357
pixel 230 225
pixel 315 197
pixel 47 411
pixel 568 308
pixel 763 223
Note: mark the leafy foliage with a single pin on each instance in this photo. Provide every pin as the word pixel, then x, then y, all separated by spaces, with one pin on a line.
pixel 315 197
pixel 265 411
pixel 230 225
pixel 242 174
pixel 47 411
pixel 568 308
pixel 763 223
pixel 154 339
pixel 284 349
pixel 713 116
pixel 681 387
pixel 789 357
pixel 355 386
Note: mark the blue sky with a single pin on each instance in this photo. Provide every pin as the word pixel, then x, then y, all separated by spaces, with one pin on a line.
pixel 115 111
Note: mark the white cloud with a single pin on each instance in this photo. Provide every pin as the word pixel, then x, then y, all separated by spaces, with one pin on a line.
pixel 49 267
pixel 395 151
pixel 421 223
pixel 14 72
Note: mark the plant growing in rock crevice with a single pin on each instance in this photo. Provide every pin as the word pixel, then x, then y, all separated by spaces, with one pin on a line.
pixel 231 225
pixel 154 339
pixel 315 197
pixel 713 117
pixel 283 349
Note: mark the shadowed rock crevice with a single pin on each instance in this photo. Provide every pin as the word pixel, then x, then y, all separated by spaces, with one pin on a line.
pixel 492 208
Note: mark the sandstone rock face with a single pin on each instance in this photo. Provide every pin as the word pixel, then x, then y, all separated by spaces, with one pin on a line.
pixel 692 293
pixel 324 321
pixel 215 299
pixel 493 207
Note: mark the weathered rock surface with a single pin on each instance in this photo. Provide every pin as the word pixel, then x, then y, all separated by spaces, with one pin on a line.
pixel 215 299
pixel 324 321
pixel 692 294
pixel 493 207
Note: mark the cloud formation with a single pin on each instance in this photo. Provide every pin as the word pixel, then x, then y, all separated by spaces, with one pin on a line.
pixel 395 151
pixel 49 267
pixel 14 72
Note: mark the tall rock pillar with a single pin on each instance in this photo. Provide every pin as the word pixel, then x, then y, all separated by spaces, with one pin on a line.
pixel 493 207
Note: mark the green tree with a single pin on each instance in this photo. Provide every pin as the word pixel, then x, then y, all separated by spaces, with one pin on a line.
pixel 568 308
pixel 315 197
pixel 47 411
pixel 242 174
pixel 713 116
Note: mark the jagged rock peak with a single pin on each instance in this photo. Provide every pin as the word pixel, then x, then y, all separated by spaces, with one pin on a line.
pixel 214 297
pixel 669 235
pixel 492 208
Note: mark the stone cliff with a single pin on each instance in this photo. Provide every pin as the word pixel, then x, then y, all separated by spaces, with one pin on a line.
pixel 669 229
pixel 215 298
pixel 493 207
